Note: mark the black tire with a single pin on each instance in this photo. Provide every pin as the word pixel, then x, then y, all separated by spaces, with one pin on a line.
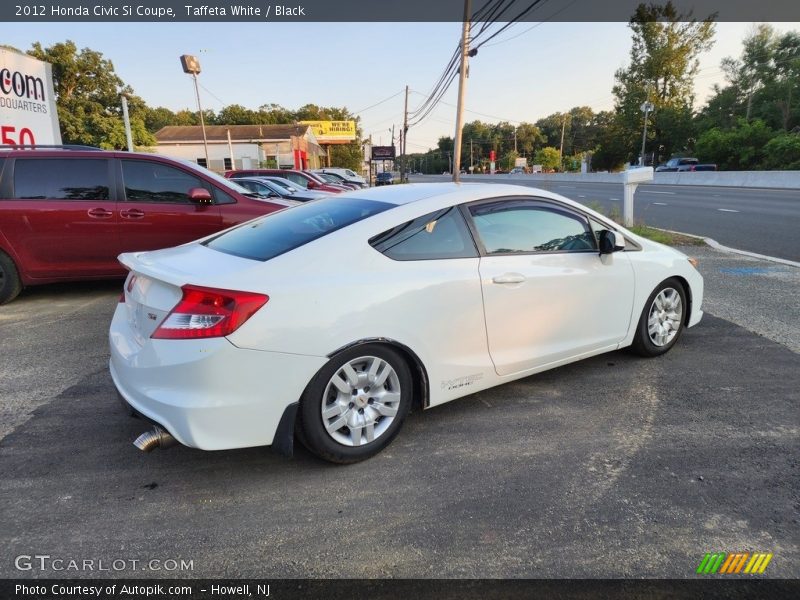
pixel 643 345
pixel 312 432
pixel 10 283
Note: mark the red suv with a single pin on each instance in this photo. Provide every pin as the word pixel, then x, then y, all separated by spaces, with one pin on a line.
pixel 67 214
pixel 304 179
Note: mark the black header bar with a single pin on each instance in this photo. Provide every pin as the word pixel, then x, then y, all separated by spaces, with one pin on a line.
pixel 39 11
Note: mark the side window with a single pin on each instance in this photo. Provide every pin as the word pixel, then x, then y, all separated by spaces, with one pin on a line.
pixel 438 235
pixel 61 179
pixel 202 162
pixel 510 226
pixel 298 180
pixel 228 164
pixel 150 181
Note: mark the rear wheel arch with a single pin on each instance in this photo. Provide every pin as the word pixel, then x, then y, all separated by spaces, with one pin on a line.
pixel 421 383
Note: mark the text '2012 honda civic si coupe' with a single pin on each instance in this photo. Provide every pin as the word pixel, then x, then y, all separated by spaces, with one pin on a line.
pixel 332 318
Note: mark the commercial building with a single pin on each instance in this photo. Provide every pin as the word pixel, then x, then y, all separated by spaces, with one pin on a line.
pixel 243 146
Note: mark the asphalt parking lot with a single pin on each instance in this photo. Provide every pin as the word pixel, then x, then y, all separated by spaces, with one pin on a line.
pixel 613 467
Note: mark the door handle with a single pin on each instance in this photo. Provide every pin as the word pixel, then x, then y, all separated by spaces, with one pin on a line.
pixel 508 278
pixel 99 213
pixel 131 213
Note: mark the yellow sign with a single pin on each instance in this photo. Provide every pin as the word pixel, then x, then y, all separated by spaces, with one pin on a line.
pixel 333 132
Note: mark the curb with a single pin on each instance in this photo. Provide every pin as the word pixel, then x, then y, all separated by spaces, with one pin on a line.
pixel 717 246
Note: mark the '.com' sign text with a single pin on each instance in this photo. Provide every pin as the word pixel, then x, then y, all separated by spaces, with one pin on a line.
pixel 27 101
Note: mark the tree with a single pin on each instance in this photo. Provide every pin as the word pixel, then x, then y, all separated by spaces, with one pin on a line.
pixel 88 97
pixel 739 148
pixel 783 152
pixel 663 64
pixel 548 157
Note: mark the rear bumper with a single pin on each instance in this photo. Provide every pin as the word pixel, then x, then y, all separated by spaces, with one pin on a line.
pixel 208 394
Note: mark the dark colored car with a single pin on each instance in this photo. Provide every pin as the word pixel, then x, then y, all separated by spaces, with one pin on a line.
pixel 698 167
pixel 384 178
pixel 336 179
pixel 304 179
pixel 269 189
pixel 674 164
pixel 66 215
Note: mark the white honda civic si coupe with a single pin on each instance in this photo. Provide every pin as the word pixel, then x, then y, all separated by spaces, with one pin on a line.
pixel 332 318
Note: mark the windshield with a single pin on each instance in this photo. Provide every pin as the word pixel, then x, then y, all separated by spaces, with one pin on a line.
pixel 280 232
pixel 211 175
pixel 287 185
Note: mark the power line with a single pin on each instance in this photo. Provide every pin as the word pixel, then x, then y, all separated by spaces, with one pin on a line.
pixel 533 5
pixel 358 112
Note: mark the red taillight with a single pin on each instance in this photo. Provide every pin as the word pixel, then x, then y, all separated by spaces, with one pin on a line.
pixel 206 312
pixel 122 297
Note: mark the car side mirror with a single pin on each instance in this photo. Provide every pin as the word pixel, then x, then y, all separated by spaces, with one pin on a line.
pixel 611 241
pixel 200 195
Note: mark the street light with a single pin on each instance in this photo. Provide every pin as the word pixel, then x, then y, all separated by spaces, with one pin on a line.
pixel 191 66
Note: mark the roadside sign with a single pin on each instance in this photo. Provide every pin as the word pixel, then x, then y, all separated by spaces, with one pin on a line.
pixel 27 101
pixel 383 153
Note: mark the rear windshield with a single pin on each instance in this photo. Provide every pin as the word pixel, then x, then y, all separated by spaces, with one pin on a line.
pixel 275 234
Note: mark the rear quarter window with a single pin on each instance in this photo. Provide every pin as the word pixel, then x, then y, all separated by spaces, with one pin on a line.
pixel 438 235
pixel 278 233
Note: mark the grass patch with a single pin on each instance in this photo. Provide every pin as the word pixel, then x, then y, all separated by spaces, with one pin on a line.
pixel 665 237
pixel 651 233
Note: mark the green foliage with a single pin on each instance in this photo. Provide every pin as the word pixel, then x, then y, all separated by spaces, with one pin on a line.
pixel 508 160
pixel 739 148
pixel 783 152
pixel 88 98
pixel 663 64
pixel 548 157
pixel 763 83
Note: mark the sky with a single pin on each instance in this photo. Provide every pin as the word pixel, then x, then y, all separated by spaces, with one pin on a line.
pixel 526 73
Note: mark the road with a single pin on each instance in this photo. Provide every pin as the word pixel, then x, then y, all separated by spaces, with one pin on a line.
pixel 764 221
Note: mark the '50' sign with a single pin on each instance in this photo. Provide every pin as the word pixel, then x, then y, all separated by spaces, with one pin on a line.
pixel 8 136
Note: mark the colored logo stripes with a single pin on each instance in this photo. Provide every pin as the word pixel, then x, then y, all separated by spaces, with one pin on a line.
pixel 729 563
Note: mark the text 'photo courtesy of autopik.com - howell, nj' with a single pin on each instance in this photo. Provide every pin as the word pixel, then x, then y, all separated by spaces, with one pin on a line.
pixel 479 299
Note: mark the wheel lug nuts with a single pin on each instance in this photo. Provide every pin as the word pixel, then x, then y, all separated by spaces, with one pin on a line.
pixel 371 400
pixel 366 388
pixel 361 410
pixel 351 405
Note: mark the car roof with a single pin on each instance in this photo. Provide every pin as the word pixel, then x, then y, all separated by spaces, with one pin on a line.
pixel 416 192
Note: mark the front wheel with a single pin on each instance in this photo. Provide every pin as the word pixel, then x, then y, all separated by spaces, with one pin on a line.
pixel 662 320
pixel 356 404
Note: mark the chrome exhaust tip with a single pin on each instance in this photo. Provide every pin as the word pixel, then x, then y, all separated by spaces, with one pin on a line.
pixel 155 438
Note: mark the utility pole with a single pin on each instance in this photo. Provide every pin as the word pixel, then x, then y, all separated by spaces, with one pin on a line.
pixel 370 160
pixel 405 139
pixel 462 88
pixel 561 148
pixel 471 164
pixel 515 139
pixel 646 107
